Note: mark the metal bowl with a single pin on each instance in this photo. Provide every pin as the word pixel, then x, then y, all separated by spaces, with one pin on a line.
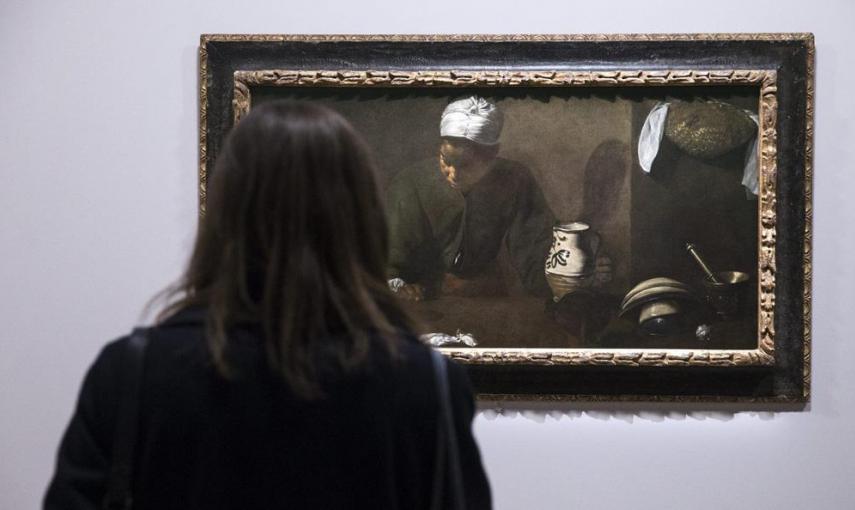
pixel 662 305
pixel 655 289
pixel 729 295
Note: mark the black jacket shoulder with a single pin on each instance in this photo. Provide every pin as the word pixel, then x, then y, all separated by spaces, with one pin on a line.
pixel 214 443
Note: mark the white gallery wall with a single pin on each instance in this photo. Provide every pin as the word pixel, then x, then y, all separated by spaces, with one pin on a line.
pixel 98 152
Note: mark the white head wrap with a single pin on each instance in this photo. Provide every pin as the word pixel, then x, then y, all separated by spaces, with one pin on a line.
pixel 474 119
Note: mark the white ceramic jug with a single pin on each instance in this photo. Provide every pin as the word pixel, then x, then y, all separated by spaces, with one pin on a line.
pixel 572 258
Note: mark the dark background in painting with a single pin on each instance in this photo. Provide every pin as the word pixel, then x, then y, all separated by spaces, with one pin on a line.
pixel 580 144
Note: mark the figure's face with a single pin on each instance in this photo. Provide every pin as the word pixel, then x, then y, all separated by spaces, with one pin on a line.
pixel 452 162
pixel 461 166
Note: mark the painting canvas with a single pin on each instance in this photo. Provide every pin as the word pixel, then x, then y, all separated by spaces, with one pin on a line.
pixel 560 221
pixel 568 219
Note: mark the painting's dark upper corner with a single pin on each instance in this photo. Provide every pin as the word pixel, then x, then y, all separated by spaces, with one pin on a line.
pixel 810 41
pixel 205 40
pixel 804 39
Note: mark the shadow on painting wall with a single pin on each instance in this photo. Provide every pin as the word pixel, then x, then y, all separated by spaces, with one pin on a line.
pixel 629 412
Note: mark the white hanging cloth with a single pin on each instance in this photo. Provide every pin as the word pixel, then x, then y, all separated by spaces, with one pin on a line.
pixel 749 174
pixel 651 136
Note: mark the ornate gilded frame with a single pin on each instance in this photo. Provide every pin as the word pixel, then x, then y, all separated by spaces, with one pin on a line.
pixel 764 374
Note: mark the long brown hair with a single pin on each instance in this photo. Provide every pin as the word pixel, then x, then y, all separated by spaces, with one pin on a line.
pixel 294 240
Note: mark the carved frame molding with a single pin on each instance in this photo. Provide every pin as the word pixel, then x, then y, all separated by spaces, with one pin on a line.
pixel 764 355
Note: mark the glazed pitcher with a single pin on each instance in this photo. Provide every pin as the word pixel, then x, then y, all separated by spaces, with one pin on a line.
pixel 572 258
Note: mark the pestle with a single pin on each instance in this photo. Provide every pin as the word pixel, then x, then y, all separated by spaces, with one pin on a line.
pixel 697 256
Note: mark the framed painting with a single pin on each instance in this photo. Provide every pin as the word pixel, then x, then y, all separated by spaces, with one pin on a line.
pixel 588 217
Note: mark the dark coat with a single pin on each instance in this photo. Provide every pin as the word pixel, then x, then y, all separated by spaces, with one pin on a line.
pixel 208 443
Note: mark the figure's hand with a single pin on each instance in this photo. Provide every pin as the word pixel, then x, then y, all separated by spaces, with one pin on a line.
pixel 603 272
pixel 411 292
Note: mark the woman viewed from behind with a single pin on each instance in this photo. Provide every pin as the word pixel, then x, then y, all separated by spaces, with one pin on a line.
pixel 285 373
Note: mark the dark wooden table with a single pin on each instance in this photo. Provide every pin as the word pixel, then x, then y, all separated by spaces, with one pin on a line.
pixel 529 322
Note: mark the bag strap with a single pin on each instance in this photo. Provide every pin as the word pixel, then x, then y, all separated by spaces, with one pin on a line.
pixel 118 496
pixel 446 440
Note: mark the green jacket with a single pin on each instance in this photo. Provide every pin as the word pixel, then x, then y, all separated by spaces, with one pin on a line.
pixel 436 229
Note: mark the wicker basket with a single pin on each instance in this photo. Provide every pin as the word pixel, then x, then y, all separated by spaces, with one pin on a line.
pixel 708 129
